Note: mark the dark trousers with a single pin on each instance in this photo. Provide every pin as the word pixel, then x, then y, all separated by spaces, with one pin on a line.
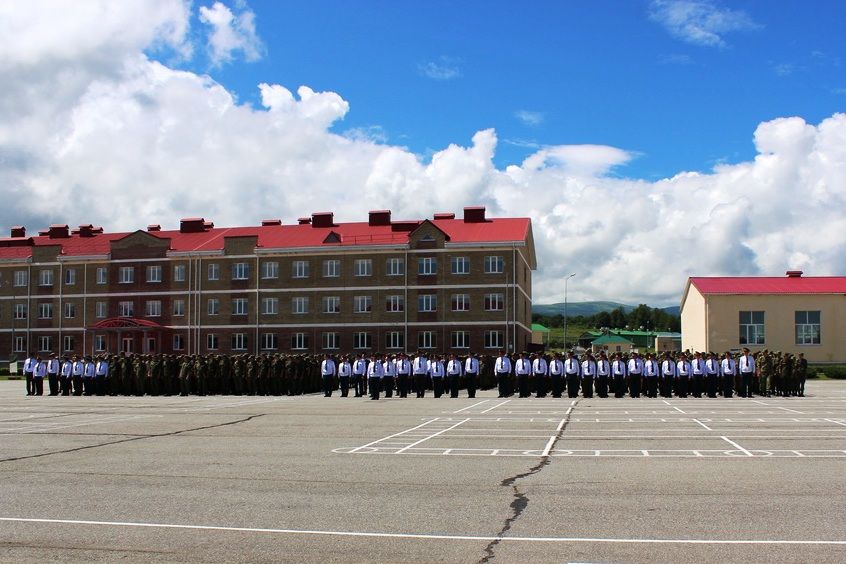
pixel 634 385
pixel 745 385
pixel 53 382
pixel 666 386
pixel 388 386
pixel 557 385
pixel 420 385
pixel 402 385
pixel 77 385
pixel 540 385
pixel 602 386
pixel 358 382
pixel 619 386
pixel 375 385
pixel 573 385
pixel 64 385
pixel 711 385
pixel 697 385
pixel 438 386
pixel 587 386
pixel 503 383
pixel 100 385
pixel 38 386
pixel 327 385
pixel 454 382
pixel 30 387
pixel 345 386
pixel 523 385
pixel 728 385
pixel 470 378
pixel 651 386
pixel 682 383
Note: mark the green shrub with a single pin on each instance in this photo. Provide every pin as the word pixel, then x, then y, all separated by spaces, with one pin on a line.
pixel 836 371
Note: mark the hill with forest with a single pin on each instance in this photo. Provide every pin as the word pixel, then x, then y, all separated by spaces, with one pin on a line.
pixel 588 309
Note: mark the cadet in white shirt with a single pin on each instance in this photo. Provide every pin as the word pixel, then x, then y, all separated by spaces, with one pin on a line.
pixel 683 370
pixel 668 376
pixel 746 365
pixel 344 375
pixel 588 375
pixel 650 375
pixel 53 374
pixel 403 375
pixel 603 371
pixel 38 375
pixel 502 370
pixel 712 374
pixel 420 369
pixel 453 371
pixel 437 373
pixel 540 371
pixel 635 372
pixel 728 370
pixel 556 375
pixel 390 369
pixel 572 370
pixel 522 369
pixel 618 374
pixel 359 374
pixel 697 367
pixel 327 373
pixel 375 371
pixel 471 374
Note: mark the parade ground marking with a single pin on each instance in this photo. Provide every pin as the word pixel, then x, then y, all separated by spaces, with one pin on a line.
pixel 484 426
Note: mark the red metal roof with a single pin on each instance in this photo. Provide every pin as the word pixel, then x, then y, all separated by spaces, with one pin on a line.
pixel 771 285
pixel 495 230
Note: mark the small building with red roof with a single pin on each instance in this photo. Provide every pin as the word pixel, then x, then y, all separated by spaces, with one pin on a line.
pixel 792 314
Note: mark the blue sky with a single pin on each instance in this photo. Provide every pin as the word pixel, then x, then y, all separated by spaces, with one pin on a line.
pixel 648 140
pixel 623 73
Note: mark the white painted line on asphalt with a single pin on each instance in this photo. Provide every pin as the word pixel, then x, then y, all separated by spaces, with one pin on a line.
pixel 737 446
pixel 837 422
pixel 394 435
pixel 433 435
pixel 422 536
pixel 497 405
pixel 707 428
pixel 471 406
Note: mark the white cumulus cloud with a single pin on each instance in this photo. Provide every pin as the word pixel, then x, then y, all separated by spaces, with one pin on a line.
pixel 701 22
pixel 230 33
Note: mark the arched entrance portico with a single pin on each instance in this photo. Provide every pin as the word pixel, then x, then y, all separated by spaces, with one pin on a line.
pixel 129 335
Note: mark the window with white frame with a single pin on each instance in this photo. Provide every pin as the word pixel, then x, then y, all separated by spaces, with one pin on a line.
pixel 460 265
pixel 20 344
pixel 102 276
pixel 214 271
pixel 153 308
pixel 808 327
pixel 427 266
pixel 178 342
pixel 395 267
pixel 154 273
pixel 460 339
pixel 67 343
pixel 751 325
pixel 494 302
pixel 45 310
pixel 331 304
pixel 211 342
pixel 239 341
pixel 240 271
pixel 427 302
pixel 363 267
pixel 395 303
pixel 125 309
pixel 270 270
pixel 45 343
pixel 126 274
pixel 494 340
pixel 299 269
pixel 362 304
pixel 70 310
pixel 101 310
pixel 21 279
pixel 331 341
pixel 331 268
pixel 20 311
pixel 427 339
pixel 460 302
pixel 213 306
pixel 269 341
pixel 99 343
pixel 299 305
pixel 179 273
pixel 45 277
pixel 494 265
pixel 70 276
pixel 361 340
pixel 270 306
pixel 239 306
pixel 395 340
pixel 178 308
pixel 299 341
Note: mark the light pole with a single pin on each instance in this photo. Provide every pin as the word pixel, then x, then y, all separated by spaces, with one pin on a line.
pixel 565 308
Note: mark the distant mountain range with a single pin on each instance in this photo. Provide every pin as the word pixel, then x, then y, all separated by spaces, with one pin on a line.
pixel 590 308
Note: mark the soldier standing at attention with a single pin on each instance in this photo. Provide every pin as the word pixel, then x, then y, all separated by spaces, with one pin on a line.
pixel 38 374
pixel 765 366
pixel 747 372
pixel 421 371
pixel 618 373
pixel 502 369
pixel 375 371
pixel 635 369
pixel 471 374
pixel 389 368
pixel 712 374
pixel 101 374
pixel 65 376
pixel 603 370
pixel 683 370
pixel 522 370
pixel 359 373
pixel 728 369
pixel 344 374
pixel 453 371
pixel 327 373
pixel 403 375
pixel 29 368
pixel 540 371
pixel 668 375
pixel 697 366
pixel 556 375
pixel 53 374
pixel 801 370
pixel 650 374
pixel 588 374
pixel 572 369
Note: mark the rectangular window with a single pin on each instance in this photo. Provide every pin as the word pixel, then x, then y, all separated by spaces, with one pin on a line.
pixel 299 341
pixel 153 308
pixel 363 267
pixel 460 265
pixel 270 306
pixel 461 302
pixel 102 275
pixel 45 344
pixel 70 310
pixel 99 343
pixel 46 278
pixel 808 328
pixel 101 310
pixel 154 273
pixel 460 339
pixel 395 340
pixel 20 344
pixel 299 305
pixel 239 306
pixel 20 311
pixel 214 271
pixel 125 309
pixel 362 304
pixel 213 306
pixel 331 268
pixel 70 276
pixel 45 311
pixel 494 340
pixel 240 271
pixel 67 343
pixel 494 265
pixel 178 308
pixel 494 302
pixel 427 266
pixel 395 304
pixel 179 273
pixel 178 342
pixel 427 302
pixel 331 341
pixel 20 278
pixel 395 267
pixel 752 328
pixel 299 269
pixel 331 304
pixel 126 274
pixel 427 340
pixel 211 342
pixel 239 341
pixel 270 270
pixel 361 340
pixel 269 341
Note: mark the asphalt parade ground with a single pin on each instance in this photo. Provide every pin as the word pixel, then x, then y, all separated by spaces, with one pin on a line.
pixel 310 479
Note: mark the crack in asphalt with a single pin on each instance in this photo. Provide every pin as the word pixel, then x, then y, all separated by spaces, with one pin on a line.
pixel 521 500
pixel 134 438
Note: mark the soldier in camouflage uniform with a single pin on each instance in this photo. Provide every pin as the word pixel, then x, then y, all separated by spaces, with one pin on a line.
pixel 800 368
pixel 765 367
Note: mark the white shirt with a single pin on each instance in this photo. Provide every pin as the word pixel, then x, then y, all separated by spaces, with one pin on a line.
pixel 747 364
pixel 454 368
pixel 375 370
pixel 728 366
pixel 471 365
pixel 345 369
pixel 503 365
pixel 436 368
pixel 539 367
pixel 327 367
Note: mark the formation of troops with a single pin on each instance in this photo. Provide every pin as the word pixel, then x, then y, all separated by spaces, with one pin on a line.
pixel 371 375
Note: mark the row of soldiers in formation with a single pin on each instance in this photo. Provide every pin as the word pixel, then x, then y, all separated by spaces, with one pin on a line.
pixel 680 374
